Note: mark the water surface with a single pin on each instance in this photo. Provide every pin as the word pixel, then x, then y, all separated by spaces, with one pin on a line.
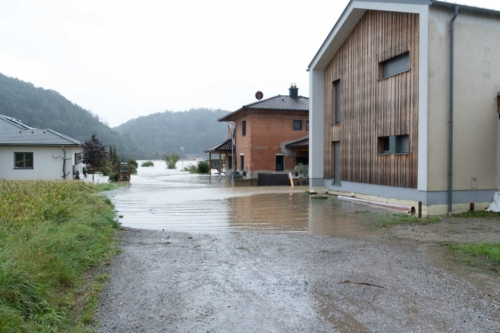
pixel 158 198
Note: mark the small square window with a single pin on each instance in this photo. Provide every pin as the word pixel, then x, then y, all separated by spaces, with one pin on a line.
pixel 297 125
pixel 402 144
pixel 23 160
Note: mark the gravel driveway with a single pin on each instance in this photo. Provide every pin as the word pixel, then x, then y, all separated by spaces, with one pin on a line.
pixel 284 282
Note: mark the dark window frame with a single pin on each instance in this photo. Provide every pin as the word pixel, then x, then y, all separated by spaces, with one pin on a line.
pixel 336 105
pixel 244 128
pixel 24 160
pixel 395 144
pixel 276 162
pixel 297 122
pixel 307 125
pixel 395 65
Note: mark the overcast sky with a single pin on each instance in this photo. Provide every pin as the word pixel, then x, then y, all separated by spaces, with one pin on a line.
pixel 125 59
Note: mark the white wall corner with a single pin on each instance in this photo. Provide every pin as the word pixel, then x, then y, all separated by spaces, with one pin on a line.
pixel 423 99
pixel 316 123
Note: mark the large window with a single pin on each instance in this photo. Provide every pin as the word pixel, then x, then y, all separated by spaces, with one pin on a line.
pixel 244 127
pixel 297 125
pixel 23 160
pixel 396 144
pixel 396 65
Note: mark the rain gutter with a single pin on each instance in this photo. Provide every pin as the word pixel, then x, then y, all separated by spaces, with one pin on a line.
pixel 450 123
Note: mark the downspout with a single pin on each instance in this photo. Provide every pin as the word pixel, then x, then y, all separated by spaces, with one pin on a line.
pixel 450 123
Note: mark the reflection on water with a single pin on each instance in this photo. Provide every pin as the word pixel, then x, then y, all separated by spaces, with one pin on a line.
pixel 158 198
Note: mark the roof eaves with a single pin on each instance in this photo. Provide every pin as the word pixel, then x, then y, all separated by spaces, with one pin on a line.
pixel 471 9
pixel 75 141
pixel 341 20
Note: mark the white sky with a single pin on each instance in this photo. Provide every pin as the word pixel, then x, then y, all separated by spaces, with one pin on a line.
pixel 125 59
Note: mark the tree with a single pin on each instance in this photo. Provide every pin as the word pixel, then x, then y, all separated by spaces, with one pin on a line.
pixel 171 159
pixel 94 153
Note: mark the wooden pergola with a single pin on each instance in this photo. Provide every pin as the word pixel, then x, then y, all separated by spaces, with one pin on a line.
pixel 225 147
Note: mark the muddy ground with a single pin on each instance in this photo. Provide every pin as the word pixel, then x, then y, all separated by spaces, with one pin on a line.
pixel 400 280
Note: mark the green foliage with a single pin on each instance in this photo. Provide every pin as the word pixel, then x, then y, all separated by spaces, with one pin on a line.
pixel 195 130
pixel 51 235
pixel 487 250
pixel 191 168
pixel 113 176
pixel 94 153
pixel 133 166
pixel 395 219
pixel 171 159
pixel 478 214
pixel 147 164
pixel 48 109
pixel 203 167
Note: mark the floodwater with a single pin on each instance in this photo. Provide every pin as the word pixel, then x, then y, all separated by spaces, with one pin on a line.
pixel 173 200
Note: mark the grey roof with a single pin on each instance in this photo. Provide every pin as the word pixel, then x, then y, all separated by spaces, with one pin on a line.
pixel 283 103
pixel 300 143
pixel 436 3
pixel 14 132
pixel 226 145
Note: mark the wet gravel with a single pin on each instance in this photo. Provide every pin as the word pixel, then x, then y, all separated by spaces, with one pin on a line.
pixel 281 282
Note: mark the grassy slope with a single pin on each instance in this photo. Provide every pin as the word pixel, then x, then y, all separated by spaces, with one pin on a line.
pixel 51 235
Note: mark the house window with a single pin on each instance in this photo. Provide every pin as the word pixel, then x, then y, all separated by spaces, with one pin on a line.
pixel 242 162
pixel 307 125
pixel 297 125
pixel 280 162
pixel 23 160
pixel 336 101
pixel 396 65
pixel 402 144
pixel 336 163
pixel 244 128
pixel 396 144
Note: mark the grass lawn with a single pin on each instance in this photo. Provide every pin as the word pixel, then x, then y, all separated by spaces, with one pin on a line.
pixel 54 238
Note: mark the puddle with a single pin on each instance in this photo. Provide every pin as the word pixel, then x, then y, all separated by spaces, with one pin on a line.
pixel 158 198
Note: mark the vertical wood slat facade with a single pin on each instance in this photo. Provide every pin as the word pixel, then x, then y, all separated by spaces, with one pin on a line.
pixel 371 107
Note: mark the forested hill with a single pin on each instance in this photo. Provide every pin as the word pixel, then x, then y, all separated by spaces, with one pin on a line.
pixel 195 130
pixel 48 109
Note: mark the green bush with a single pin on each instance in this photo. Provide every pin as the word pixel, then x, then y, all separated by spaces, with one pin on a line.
pixel 51 235
pixel 147 164
pixel 113 177
pixel 171 159
pixel 203 167
pixel 191 168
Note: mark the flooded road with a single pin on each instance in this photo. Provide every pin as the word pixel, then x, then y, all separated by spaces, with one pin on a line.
pixel 173 200
pixel 301 272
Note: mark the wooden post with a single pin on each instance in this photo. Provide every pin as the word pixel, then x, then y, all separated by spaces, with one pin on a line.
pixel 291 179
pixel 209 164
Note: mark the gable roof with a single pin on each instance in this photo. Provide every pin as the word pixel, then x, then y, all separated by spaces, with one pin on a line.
pixel 281 103
pixel 300 143
pixel 355 9
pixel 14 132
pixel 226 145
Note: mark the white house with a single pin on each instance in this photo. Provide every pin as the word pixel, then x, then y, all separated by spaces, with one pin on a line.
pixel 27 152
pixel 404 105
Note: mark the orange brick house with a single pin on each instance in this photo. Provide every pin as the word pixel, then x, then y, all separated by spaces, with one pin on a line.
pixel 263 130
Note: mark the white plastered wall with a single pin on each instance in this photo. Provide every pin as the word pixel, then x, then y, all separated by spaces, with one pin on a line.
pixel 477 81
pixel 45 166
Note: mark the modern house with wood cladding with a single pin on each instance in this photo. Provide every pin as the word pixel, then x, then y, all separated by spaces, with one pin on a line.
pixel 268 135
pixel 404 105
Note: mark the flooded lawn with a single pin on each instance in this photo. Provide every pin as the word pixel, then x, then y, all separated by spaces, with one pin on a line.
pixel 173 200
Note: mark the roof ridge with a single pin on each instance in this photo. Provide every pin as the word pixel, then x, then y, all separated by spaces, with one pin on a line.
pixel 63 136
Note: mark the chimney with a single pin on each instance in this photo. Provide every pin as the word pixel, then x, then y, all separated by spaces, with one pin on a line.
pixel 294 91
